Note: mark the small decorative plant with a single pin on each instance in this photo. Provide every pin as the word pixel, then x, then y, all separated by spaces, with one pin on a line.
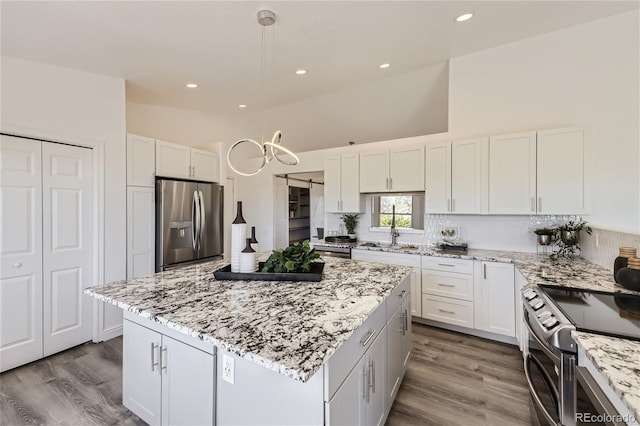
pixel 350 222
pixel 295 258
pixel 569 238
pixel 545 231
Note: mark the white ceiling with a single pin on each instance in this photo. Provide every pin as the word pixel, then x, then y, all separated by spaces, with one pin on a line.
pixel 159 46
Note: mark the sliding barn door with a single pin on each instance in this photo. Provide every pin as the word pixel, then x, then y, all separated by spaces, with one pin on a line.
pixel 20 252
pixel 67 245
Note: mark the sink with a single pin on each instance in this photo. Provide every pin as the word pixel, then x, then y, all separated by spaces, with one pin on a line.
pixel 389 245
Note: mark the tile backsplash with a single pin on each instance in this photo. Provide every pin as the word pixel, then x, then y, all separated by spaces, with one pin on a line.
pixel 602 246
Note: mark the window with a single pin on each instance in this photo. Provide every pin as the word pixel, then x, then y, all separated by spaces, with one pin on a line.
pixel 409 211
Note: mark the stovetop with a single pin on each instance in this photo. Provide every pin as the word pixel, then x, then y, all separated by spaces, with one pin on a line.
pixel 615 315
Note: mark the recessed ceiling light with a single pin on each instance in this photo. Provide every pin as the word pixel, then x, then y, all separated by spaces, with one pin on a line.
pixel 192 85
pixel 301 72
pixel 464 17
pixel 384 66
pixel 242 106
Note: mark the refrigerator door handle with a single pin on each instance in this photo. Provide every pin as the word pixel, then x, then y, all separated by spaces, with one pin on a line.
pixel 195 221
pixel 202 218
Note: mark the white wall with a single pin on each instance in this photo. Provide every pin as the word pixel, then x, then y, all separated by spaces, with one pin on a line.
pixel 67 105
pixel 585 75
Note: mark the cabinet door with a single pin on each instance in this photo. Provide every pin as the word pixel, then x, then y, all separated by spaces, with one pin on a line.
pixel 350 184
pixel 406 169
pixel 21 251
pixel 395 328
pixel 346 408
pixel 332 184
pixel 521 328
pixel 512 174
pixel 374 171
pixel 140 231
pixel 173 160
pixel 141 163
pixel 407 343
pixel 376 398
pixel 469 175
pixel 438 178
pixel 416 292
pixel 141 379
pixel 67 245
pixel 188 382
pixel 205 165
pixel 497 307
pixel 560 177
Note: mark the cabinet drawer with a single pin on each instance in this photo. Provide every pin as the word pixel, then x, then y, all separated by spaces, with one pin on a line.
pixel 447 264
pixel 451 311
pixel 345 358
pixel 448 284
pixel 397 295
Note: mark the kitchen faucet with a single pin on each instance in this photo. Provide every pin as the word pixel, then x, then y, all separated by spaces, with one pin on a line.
pixel 394 232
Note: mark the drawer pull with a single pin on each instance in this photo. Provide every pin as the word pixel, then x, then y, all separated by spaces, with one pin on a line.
pixel 365 340
pixel 402 293
pixel 447 312
pixel 446 264
pixel 154 363
pixel 446 285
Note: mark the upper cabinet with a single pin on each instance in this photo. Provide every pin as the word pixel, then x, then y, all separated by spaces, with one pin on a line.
pixel 179 161
pixel 395 170
pixel 512 174
pixel 457 176
pixel 341 184
pixel 141 167
pixel 561 171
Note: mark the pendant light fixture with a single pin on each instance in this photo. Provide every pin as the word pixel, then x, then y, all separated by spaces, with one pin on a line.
pixel 269 150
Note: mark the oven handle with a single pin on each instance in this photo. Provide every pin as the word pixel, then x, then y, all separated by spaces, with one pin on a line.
pixel 555 358
pixel 548 383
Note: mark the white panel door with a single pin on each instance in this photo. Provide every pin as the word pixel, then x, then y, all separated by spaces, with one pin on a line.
pixel 188 384
pixel 416 292
pixel 141 161
pixel 395 327
pixel 67 202
pixel 173 160
pixel 376 399
pixel 332 183
pixel 20 251
pixel 140 231
pixel 406 169
pixel 141 379
pixel 350 184
pixel 374 171
pixel 346 408
pixel 512 174
pixel 407 343
pixel 498 293
pixel 469 167
pixel 438 177
pixel 560 178
pixel 205 165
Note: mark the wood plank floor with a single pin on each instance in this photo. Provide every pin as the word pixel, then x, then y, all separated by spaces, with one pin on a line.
pixel 452 379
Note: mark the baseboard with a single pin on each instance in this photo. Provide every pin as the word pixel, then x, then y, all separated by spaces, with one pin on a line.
pixel 478 333
pixel 112 332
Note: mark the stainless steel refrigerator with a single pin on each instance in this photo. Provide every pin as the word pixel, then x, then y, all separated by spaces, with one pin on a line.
pixel 188 222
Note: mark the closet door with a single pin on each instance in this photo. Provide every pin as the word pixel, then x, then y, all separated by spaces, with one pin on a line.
pixel 20 252
pixel 67 202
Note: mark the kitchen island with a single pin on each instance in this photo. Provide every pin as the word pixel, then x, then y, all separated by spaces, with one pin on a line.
pixel 328 352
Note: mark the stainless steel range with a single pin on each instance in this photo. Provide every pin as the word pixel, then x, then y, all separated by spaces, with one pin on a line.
pixel 551 314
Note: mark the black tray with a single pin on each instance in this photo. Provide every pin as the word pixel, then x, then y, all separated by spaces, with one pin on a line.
pixel 315 274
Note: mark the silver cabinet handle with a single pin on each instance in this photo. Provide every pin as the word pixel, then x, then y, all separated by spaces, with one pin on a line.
pixel 484 268
pixel 153 356
pixel 406 320
pixel 163 359
pixel 390 183
pixel 447 312
pixel 453 204
pixel 448 204
pixel 17 265
pixel 386 184
pixel 365 340
pixel 446 264
pixel 194 170
pixel 533 204
pixel 365 377
pixel 403 322
pixel 446 285
pixel 402 293
pixel 372 379
pixel 202 218
pixel 539 204
pixel 195 221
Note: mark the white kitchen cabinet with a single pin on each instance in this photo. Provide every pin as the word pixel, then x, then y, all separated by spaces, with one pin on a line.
pixel 561 162
pixel 141 163
pixel 522 334
pixel 438 177
pixel 494 301
pixel 512 174
pixel 399 346
pixel 347 407
pixel 140 231
pixel 416 292
pixel 183 162
pixel 395 170
pixel 470 176
pixel 166 381
pixel 341 186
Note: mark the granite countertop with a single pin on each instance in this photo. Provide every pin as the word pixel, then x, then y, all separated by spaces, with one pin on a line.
pixel 289 327
pixel 619 362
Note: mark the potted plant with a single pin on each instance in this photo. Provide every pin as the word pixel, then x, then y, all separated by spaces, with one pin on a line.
pixel 569 238
pixel 296 258
pixel 350 222
pixel 546 236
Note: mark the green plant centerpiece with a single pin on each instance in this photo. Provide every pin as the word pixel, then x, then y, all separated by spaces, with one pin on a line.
pixel 298 257
pixel 350 222
pixel 569 238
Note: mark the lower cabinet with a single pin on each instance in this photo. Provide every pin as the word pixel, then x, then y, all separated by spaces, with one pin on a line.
pixel 166 381
pixel 399 346
pixel 494 302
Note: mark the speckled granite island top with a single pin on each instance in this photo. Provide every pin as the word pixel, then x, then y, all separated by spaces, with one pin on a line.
pixel 619 362
pixel 288 327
